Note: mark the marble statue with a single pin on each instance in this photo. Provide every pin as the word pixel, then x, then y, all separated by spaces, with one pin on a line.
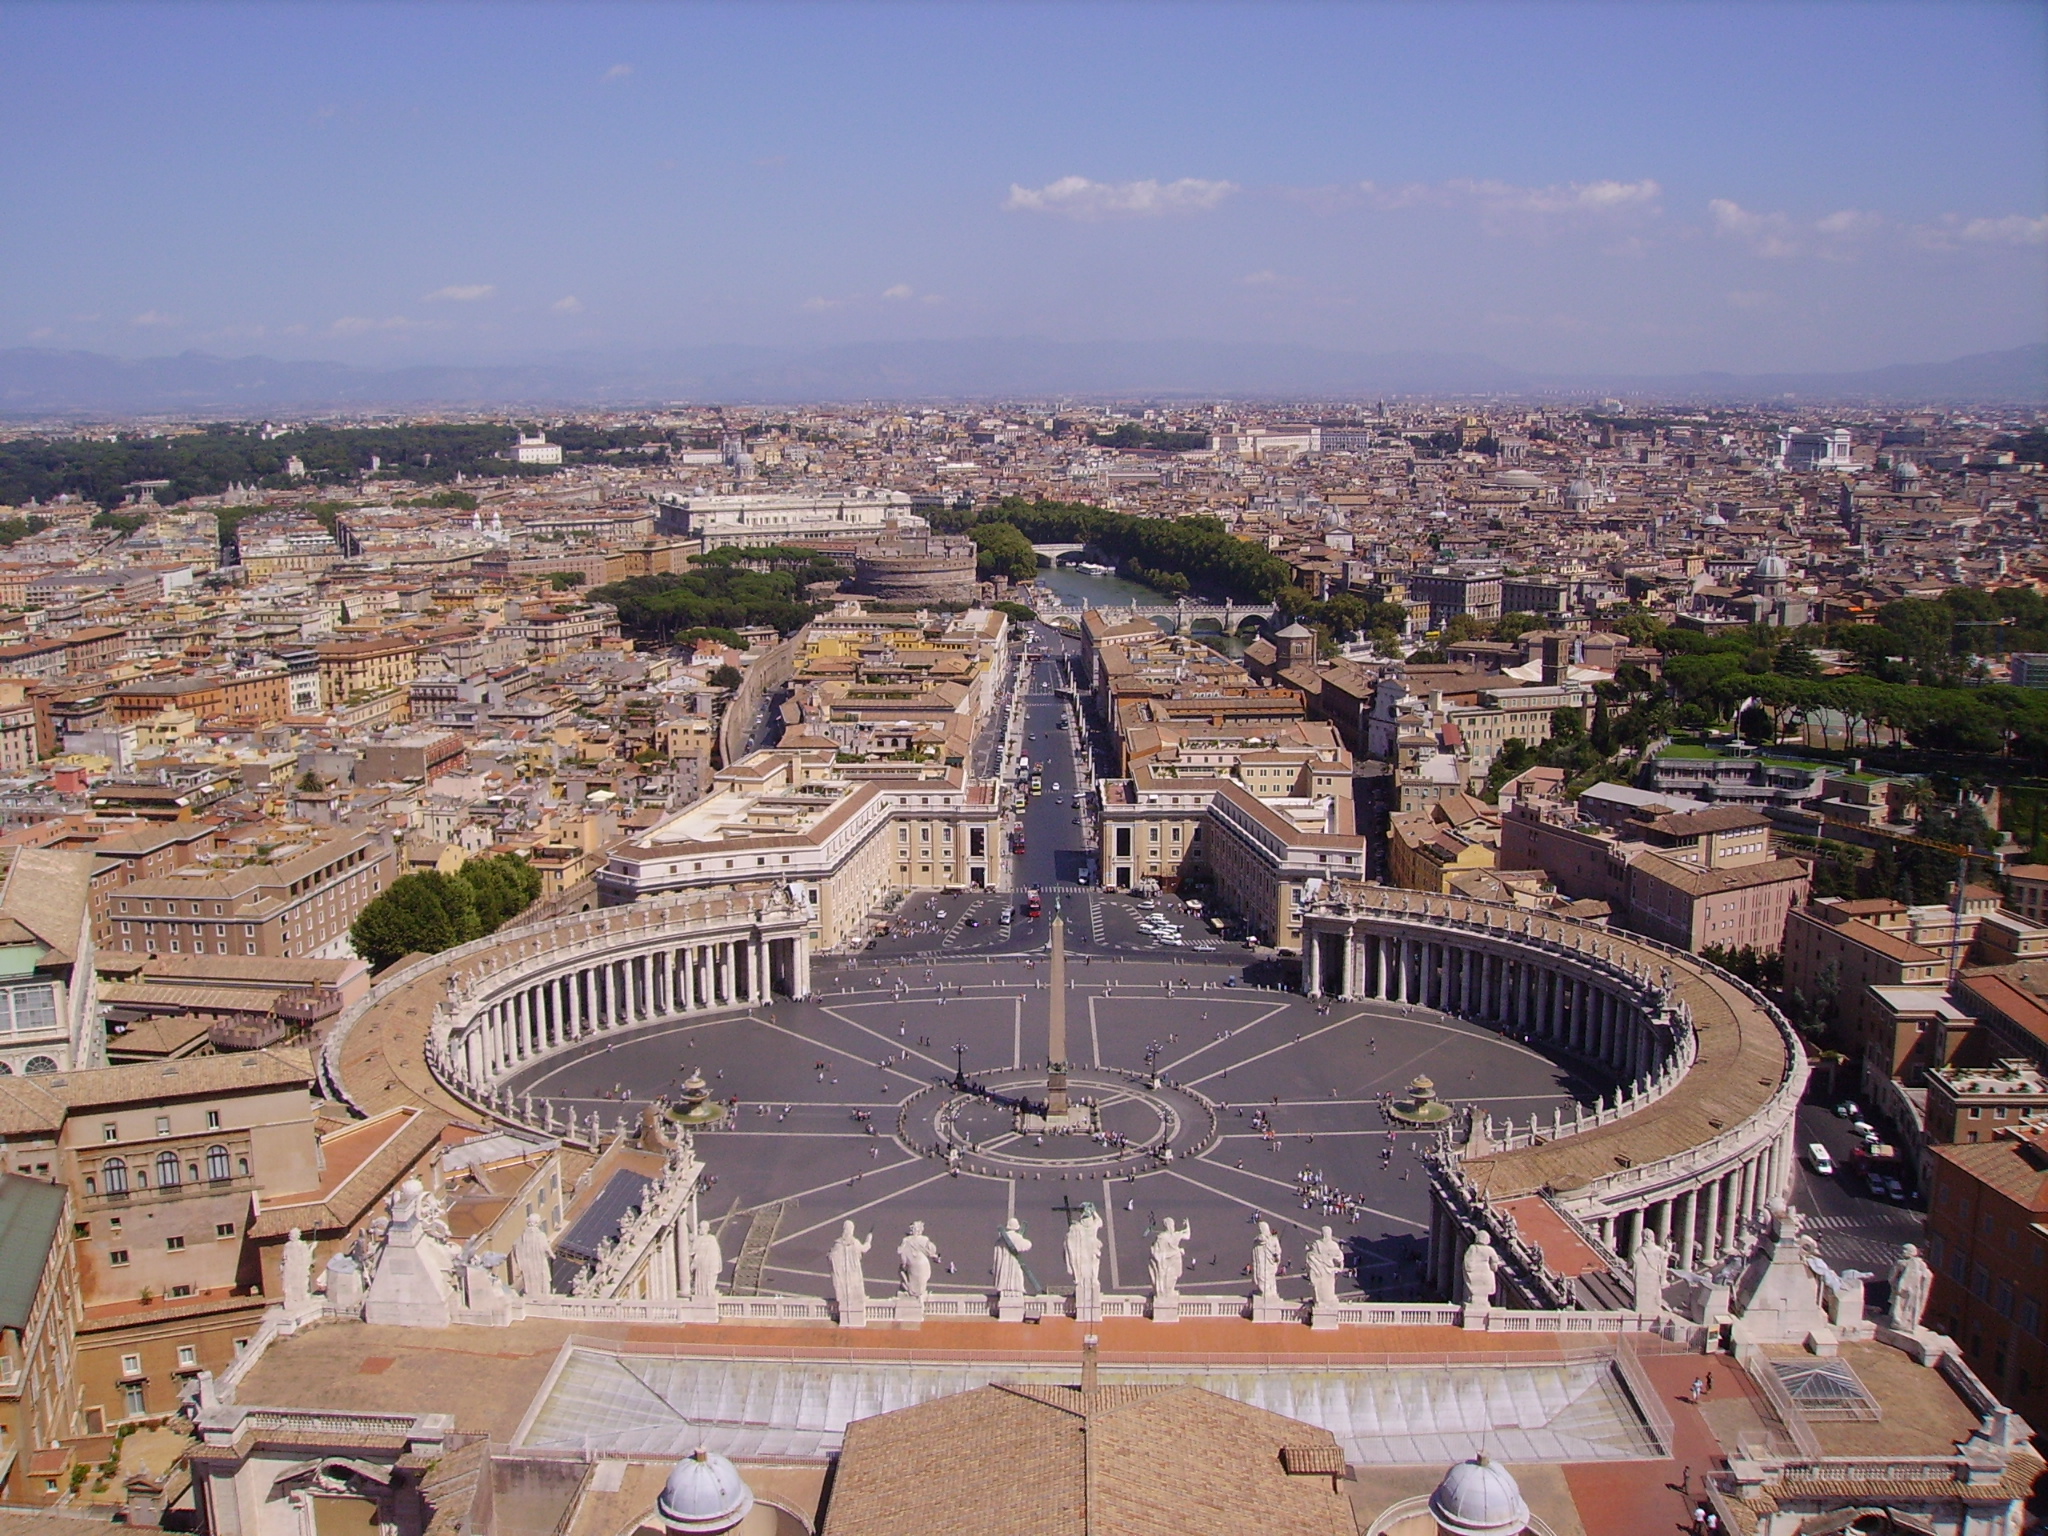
pixel 1084 1258
pixel 1325 1260
pixel 1910 1279
pixel 1011 1245
pixel 533 1271
pixel 1482 1266
pixel 1648 1266
pixel 297 1264
pixel 914 1258
pixel 1266 1264
pixel 707 1261
pixel 849 1285
pixel 1168 1260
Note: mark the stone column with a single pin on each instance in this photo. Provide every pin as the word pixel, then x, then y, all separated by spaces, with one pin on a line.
pixel 1710 1224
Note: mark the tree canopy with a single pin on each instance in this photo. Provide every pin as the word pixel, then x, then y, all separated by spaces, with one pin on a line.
pixel 428 912
pixel 724 590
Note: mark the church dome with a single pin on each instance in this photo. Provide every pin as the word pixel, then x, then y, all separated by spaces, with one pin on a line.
pixel 704 1495
pixel 1772 568
pixel 1518 480
pixel 1479 1498
pixel 1714 519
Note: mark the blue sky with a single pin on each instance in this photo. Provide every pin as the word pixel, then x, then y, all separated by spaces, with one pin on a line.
pixel 1640 187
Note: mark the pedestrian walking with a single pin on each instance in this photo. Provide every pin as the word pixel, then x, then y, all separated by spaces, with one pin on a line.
pixel 1699 1385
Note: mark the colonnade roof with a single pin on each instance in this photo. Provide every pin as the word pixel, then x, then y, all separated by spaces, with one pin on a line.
pixel 382 1058
pixel 1742 1061
pixel 1741 1064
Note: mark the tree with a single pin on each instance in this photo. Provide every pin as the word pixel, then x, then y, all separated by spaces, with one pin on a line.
pixel 428 912
pixel 310 783
pixel 421 913
pixel 562 581
pixel 1004 552
pixel 725 676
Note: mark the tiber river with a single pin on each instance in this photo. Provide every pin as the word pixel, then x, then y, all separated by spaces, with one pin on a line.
pixel 1087 589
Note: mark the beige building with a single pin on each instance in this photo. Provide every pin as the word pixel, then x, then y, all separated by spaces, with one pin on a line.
pixel 295 901
pixel 1428 849
pixel 39 1309
pixel 351 669
pixel 844 835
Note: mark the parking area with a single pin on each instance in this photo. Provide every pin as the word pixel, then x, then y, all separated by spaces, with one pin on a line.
pixel 1854 1226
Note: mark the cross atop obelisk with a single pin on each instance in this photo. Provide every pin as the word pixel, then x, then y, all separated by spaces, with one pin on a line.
pixel 1056 1104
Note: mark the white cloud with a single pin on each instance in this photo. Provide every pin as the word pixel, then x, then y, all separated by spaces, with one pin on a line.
pixel 1265 277
pixel 462 293
pixel 900 291
pixel 150 318
pixel 1574 197
pixel 617 72
pixel 820 302
pixel 1076 197
pixel 1767 234
pixel 2013 229
pixel 568 304
pixel 357 325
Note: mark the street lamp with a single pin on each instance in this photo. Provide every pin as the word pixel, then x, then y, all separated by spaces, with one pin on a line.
pixel 960 1066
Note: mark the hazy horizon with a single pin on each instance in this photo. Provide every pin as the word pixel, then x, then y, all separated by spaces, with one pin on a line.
pixel 1560 189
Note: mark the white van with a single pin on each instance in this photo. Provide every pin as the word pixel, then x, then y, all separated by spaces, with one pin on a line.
pixel 1818 1160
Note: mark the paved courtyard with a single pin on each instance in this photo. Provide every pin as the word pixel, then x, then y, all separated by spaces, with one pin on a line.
pixel 1270 1103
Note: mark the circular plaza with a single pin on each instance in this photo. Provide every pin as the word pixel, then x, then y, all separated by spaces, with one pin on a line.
pixel 899 1093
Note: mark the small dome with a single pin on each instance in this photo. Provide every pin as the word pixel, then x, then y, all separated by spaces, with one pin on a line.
pixel 1907 470
pixel 705 1494
pixel 1714 520
pixel 1772 568
pixel 1479 1498
pixel 1518 480
pixel 1294 631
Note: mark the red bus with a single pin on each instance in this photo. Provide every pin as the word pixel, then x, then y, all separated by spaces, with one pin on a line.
pixel 1032 905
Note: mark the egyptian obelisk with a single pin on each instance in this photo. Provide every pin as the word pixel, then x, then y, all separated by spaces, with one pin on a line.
pixel 1056 1049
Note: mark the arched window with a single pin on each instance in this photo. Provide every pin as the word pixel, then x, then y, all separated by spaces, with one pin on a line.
pixel 166 1170
pixel 6 1070
pixel 216 1162
pixel 39 1064
pixel 115 1172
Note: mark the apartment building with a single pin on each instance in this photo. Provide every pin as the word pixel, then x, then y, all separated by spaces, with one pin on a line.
pixel 1450 592
pixel 49 997
pixel 1691 879
pixel 291 894
pixel 40 1307
pixel 353 669
pixel 2027 891
pixel 1856 953
pixel 252 699
pixel 1428 849
pixel 1987 1227
pixel 19 747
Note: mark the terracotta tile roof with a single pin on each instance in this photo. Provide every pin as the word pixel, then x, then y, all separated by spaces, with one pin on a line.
pixel 1057 1461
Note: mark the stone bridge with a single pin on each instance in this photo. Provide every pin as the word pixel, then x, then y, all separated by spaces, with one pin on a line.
pixel 1175 618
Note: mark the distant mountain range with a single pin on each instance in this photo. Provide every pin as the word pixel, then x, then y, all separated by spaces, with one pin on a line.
pixel 37 383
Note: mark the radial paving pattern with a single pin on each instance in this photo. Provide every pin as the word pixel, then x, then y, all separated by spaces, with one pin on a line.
pixel 1270 1104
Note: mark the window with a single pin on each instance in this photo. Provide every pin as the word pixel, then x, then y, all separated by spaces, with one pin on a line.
pixel 174 1245
pixel 167 1170
pixel 180 1290
pixel 216 1157
pixel 163 1125
pixel 115 1172
pixel 131 1402
pixel 242 1167
pixel 188 1356
pixel 223 1229
pixel 131 1365
pixel 118 1257
pixel 213 1119
pixel 110 1132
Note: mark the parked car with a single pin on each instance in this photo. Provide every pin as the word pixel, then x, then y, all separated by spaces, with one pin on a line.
pixel 1818 1160
pixel 1848 1109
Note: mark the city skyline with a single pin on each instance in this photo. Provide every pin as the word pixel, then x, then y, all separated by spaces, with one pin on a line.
pixel 1560 189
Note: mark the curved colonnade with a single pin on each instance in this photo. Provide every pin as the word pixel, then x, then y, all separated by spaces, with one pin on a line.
pixel 1703 1138
pixel 477 1015
pixel 1694 1148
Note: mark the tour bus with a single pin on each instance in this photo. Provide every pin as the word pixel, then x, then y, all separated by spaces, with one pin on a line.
pixel 1032 904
